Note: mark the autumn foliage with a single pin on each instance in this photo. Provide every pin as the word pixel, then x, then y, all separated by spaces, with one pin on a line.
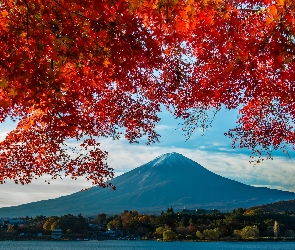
pixel 84 69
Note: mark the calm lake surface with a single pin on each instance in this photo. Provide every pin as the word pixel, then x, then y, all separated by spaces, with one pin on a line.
pixel 143 245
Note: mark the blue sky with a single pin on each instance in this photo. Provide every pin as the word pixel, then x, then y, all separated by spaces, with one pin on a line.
pixel 210 149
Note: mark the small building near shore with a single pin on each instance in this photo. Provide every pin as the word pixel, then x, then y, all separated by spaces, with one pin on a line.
pixel 56 234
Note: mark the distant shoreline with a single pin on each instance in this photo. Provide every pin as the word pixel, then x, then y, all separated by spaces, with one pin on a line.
pixel 282 239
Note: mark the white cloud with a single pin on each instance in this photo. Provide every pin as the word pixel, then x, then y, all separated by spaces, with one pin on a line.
pixel 2 135
pixel 5 128
pixel 12 194
pixel 164 127
pixel 224 149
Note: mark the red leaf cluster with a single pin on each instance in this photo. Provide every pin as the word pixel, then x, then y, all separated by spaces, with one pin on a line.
pixel 88 69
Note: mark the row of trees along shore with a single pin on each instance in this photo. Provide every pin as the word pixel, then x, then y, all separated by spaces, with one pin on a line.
pixel 240 224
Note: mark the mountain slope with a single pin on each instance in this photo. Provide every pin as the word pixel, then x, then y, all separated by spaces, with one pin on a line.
pixel 278 207
pixel 170 180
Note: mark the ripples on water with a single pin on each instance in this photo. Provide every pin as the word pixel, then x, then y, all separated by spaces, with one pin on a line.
pixel 143 245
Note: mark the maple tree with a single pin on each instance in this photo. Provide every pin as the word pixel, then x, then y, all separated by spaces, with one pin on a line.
pixel 88 69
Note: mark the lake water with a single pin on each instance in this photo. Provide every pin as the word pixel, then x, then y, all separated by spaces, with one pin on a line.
pixel 143 245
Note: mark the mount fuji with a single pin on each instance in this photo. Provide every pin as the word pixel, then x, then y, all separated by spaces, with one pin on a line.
pixel 170 180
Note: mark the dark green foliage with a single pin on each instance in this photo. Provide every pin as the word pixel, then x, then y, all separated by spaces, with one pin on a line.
pixel 240 224
pixel 73 223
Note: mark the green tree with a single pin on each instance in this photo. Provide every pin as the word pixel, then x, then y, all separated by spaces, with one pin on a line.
pixel 199 235
pixel 169 235
pixel 237 234
pixel 212 234
pixel 77 224
pixel 183 222
pixel 114 222
pixel 168 218
pixel 234 220
pixel 250 232
pixel 160 230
